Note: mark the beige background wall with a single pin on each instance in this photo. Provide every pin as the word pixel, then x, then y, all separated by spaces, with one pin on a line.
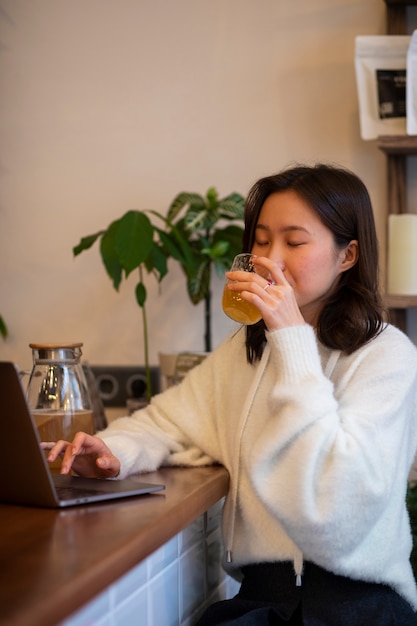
pixel 108 105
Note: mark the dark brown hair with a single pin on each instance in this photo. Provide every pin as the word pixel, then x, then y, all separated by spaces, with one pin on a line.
pixel 353 313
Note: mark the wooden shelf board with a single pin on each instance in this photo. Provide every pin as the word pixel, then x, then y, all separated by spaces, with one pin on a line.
pixel 398 144
pixel 401 2
pixel 400 302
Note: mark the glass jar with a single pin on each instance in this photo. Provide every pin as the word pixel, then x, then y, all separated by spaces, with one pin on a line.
pixel 57 392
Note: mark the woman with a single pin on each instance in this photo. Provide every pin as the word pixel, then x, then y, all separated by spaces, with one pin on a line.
pixel 312 411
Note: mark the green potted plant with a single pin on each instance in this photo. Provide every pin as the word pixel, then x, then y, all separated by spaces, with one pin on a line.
pixel 197 232
pixel 130 243
pixel 203 232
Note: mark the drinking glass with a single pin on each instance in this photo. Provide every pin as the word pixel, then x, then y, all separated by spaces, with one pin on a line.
pixel 233 304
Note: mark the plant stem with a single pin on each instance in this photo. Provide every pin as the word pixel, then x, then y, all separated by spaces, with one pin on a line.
pixel 146 345
pixel 207 308
pixel 207 320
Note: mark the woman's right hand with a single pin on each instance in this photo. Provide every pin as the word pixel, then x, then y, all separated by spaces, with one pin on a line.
pixel 87 455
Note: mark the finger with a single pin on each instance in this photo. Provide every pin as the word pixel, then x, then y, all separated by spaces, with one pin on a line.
pixel 241 276
pixel 68 460
pixel 79 446
pixel 109 466
pixel 85 442
pixel 47 445
pixel 273 269
pixel 239 281
pixel 57 449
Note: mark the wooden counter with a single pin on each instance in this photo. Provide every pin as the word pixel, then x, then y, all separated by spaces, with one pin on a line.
pixel 54 561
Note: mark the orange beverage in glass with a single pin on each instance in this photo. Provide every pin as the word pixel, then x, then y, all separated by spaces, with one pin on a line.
pixel 238 309
pixel 233 304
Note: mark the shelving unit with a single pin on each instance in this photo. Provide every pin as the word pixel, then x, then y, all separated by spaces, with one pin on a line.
pixel 396 149
pixel 397 16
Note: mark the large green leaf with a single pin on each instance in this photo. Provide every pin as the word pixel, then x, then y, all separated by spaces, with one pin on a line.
pixel 232 234
pixel 177 242
pixel 201 216
pixel 217 250
pixel 198 285
pixel 133 240
pixel 201 220
pixel 156 262
pixel 170 245
pixel 140 293
pixel 109 257
pixel 232 207
pixel 86 243
pixel 194 200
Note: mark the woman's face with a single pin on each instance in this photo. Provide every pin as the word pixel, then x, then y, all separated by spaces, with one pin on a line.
pixel 291 234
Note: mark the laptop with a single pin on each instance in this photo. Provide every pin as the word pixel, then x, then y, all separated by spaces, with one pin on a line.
pixel 25 476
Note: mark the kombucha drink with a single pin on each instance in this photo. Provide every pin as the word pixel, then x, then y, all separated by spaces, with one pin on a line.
pixel 238 309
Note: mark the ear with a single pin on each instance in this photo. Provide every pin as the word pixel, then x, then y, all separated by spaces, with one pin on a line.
pixel 349 256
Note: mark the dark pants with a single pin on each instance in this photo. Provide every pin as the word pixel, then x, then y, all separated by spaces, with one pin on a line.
pixel 269 596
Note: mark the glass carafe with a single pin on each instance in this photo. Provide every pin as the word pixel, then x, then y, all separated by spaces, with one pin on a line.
pixel 57 392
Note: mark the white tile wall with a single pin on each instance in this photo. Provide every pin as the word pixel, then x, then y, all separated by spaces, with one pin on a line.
pixel 172 587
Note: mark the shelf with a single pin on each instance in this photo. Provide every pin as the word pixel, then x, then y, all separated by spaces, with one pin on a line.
pixel 401 2
pixel 396 149
pixel 398 144
pixel 396 20
pixel 400 302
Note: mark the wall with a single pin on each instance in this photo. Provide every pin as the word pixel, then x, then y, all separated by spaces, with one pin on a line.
pixel 108 106
pixel 171 587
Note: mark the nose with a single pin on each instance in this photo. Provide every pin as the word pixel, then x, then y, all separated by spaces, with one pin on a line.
pixel 276 255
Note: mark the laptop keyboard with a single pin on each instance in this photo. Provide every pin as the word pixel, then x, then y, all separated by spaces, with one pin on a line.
pixel 68 493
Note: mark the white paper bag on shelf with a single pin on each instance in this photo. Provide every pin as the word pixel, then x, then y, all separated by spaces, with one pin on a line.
pixel 412 86
pixel 402 254
pixel 381 70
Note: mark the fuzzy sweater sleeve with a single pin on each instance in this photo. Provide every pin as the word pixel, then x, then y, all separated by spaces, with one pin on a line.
pixel 335 453
pixel 179 426
pixel 150 439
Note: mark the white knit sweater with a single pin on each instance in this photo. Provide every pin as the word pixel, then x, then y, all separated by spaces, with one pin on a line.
pixel 318 446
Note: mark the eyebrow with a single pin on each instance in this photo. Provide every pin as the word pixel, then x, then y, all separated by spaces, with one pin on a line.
pixel 286 229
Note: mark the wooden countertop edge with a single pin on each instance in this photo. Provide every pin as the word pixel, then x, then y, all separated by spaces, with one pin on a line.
pixel 95 579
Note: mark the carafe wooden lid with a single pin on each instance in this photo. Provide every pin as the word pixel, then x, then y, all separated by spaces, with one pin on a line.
pixel 54 346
